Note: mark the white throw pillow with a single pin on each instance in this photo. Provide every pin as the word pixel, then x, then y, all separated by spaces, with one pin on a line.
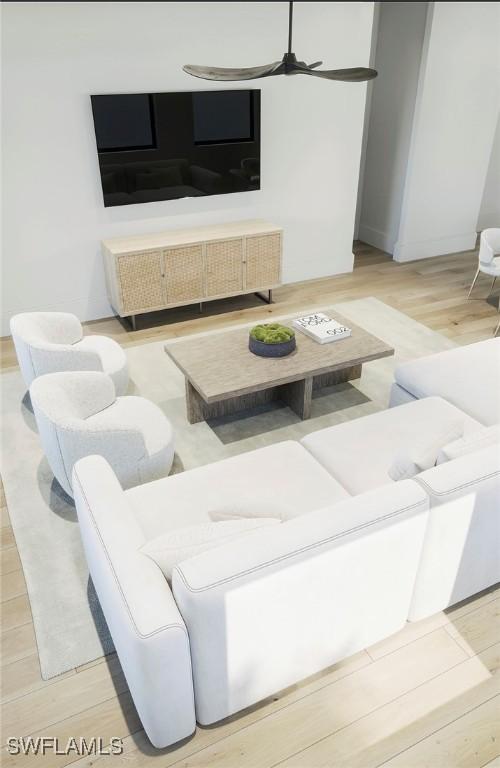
pixel 181 543
pixel 482 438
pixel 424 455
pixel 402 468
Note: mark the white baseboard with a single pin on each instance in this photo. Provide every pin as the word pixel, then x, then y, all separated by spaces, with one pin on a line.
pixel 375 237
pixel 424 249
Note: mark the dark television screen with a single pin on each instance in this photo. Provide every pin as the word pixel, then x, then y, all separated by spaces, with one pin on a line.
pixel 163 146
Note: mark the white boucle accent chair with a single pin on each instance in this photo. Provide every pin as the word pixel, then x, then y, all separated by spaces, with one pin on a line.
pixel 78 414
pixel 245 619
pixel 47 342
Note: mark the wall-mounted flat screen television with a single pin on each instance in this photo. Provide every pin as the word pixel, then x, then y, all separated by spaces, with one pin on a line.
pixel 163 146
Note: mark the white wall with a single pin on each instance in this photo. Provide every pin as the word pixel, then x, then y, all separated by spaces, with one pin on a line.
pixel 400 37
pixel 489 212
pixel 454 126
pixel 56 54
pixel 366 119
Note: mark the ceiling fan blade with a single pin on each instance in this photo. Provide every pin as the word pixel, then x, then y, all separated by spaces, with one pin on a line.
pixel 227 73
pixel 316 64
pixel 352 75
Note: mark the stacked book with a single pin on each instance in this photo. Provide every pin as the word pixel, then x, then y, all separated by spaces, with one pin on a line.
pixel 321 328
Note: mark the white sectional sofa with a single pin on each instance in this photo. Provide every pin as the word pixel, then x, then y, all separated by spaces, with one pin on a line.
pixel 247 618
pixel 350 556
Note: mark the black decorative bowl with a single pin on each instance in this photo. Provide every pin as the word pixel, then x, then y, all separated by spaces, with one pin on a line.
pixel 281 349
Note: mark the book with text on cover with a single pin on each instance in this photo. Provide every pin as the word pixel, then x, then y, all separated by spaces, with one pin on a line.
pixel 322 328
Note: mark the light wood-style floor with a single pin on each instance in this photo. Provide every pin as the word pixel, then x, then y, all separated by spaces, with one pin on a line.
pixel 432 291
pixel 428 696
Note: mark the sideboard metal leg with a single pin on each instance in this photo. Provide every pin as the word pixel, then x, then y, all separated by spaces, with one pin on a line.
pixel 201 307
pixel 269 299
pixel 132 322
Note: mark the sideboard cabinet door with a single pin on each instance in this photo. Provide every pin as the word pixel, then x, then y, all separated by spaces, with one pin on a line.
pixel 184 273
pixel 224 267
pixel 263 260
pixel 140 281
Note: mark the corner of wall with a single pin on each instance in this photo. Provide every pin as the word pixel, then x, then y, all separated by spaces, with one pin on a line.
pixel 376 238
pixel 366 123
pixel 398 246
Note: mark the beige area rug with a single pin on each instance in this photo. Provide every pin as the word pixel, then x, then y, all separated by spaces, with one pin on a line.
pixel 69 626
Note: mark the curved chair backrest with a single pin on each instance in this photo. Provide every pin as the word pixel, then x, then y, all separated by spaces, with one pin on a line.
pixel 61 400
pixel 489 245
pixel 72 394
pixel 35 331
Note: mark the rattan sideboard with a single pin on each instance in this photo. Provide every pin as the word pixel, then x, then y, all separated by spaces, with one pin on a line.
pixel 146 273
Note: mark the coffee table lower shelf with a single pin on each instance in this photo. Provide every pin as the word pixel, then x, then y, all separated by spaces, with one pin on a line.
pixel 296 394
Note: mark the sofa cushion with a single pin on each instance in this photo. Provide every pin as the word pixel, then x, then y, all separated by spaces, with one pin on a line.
pixel 359 453
pixel 484 438
pixel 284 473
pixel 181 543
pixel 425 453
pixel 468 377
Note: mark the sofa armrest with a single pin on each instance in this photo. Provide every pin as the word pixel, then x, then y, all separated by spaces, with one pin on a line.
pixel 281 604
pixel 148 631
pixel 63 327
pixel 240 181
pixel 51 358
pixel 205 179
pixel 122 447
pixel 460 556
pixel 52 327
pixel 399 396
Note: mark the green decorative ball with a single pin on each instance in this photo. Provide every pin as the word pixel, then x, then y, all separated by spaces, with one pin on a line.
pixel 272 333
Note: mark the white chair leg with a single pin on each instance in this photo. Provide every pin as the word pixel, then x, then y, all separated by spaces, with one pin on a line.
pixel 473 283
pixel 492 284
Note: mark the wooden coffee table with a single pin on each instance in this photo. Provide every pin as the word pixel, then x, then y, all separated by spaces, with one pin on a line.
pixel 224 377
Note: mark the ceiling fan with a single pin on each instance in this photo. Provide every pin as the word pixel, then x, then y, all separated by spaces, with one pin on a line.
pixel 287 66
